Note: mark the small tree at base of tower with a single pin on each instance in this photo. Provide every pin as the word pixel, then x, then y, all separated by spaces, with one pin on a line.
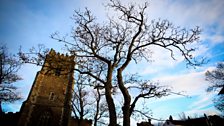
pixel 9 66
pixel 87 102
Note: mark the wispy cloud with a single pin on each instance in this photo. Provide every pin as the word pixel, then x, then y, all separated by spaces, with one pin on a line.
pixel 192 83
pixel 189 13
pixel 202 101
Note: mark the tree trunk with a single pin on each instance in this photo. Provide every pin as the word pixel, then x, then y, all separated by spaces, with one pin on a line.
pixel 112 110
pixel 127 99
pixel 109 99
pixel 126 114
pixel 97 107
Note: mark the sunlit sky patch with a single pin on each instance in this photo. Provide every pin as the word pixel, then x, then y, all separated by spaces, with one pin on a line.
pixel 27 23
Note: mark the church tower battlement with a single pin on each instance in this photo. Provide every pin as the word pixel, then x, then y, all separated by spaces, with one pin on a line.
pixel 48 103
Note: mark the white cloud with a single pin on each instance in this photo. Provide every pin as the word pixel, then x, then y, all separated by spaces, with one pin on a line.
pixel 188 13
pixel 192 83
pixel 208 15
pixel 161 59
pixel 214 39
pixel 204 100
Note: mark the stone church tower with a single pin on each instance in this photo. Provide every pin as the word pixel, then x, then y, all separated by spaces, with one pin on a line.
pixel 48 103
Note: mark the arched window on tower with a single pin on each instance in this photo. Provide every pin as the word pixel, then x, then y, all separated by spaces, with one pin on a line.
pixel 44 119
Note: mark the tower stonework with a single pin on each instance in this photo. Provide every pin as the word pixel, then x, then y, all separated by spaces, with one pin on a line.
pixel 48 103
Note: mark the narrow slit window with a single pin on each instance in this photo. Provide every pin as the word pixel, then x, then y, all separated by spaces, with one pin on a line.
pixel 51 97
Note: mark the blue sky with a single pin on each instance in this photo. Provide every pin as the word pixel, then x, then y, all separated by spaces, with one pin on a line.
pixel 28 23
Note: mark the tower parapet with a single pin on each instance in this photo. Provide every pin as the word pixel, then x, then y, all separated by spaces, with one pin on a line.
pixel 56 62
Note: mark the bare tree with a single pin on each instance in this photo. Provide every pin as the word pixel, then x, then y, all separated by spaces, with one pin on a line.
pixel 104 51
pixel 101 108
pixel 219 103
pixel 182 116
pixel 87 102
pixel 216 77
pixel 9 66
pixel 80 101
